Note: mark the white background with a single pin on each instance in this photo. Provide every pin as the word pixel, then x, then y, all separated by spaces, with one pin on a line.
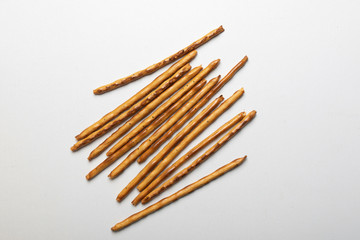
pixel 301 179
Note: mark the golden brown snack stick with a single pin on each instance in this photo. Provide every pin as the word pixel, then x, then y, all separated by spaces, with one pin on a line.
pixel 107 162
pixel 148 120
pixel 224 128
pixel 146 152
pixel 129 160
pixel 123 81
pixel 132 184
pixel 177 177
pixel 179 194
pixel 138 96
pixel 182 140
pixel 119 119
pixel 191 77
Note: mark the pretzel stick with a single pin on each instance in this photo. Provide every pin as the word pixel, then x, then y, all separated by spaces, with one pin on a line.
pixel 129 160
pixel 138 96
pixel 123 81
pixel 177 177
pixel 160 141
pixel 146 122
pixel 132 184
pixel 181 141
pixel 118 120
pixel 107 162
pixel 192 77
pixel 179 194
pixel 224 128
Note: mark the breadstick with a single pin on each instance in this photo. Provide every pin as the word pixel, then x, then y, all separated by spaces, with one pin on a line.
pixel 224 128
pixel 138 96
pixel 146 152
pixel 123 81
pixel 141 126
pixel 129 160
pixel 132 184
pixel 118 120
pixel 200 159
pixel 107 162
pixel 179 194
pixel 191 77
pixel 181 140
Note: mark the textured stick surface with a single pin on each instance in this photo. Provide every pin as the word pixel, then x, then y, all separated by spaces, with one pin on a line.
pixel 185 80
pixel 179 194
pixel 224 128
pixel 138 96
pixel 119 119
pixel 107 162
pixel 138 128
pixel 177 177
pixel 166 136
pixel 132 184
pixel 156 66
pixel 182 140
pixel 169 123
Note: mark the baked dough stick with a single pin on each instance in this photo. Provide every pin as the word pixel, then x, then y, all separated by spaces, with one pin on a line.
pixel 139 95
pixel 119 119
pixel 107 162
pixel 181 141
pixel 177 177
pixel 132 184
pixel 224 128
pixel 136 130
pixel 128 161
pixel 123 81
pixel 179 194
pixel 160 141
pixel 193 77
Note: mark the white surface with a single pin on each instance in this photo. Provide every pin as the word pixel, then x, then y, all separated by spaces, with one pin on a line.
pixel 301 179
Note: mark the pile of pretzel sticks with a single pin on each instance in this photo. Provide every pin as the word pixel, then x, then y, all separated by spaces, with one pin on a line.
pixel 159 112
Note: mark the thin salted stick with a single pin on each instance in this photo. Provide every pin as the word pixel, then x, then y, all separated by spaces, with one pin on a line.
pixel 140 105
pixel 177 177
pixel 224 128
pixel 108 161
pixel 146 152
pixel 179 194
pixel 191 79
pixel 132 184
pixel 182 140
pixel 138 96
pixel 123 81
pixel 129 160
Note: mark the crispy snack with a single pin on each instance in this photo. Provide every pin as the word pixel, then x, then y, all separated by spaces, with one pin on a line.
pixel 138 96
pixel 179 194
pixel 126 163
pixel 147 151
pixel 123 81
pixel 192 77
pixel 132 184
pixel 181 141
pixel 224 128
pixel 100 132
pixel 146 122
pixel 107 162
pixel 177 177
